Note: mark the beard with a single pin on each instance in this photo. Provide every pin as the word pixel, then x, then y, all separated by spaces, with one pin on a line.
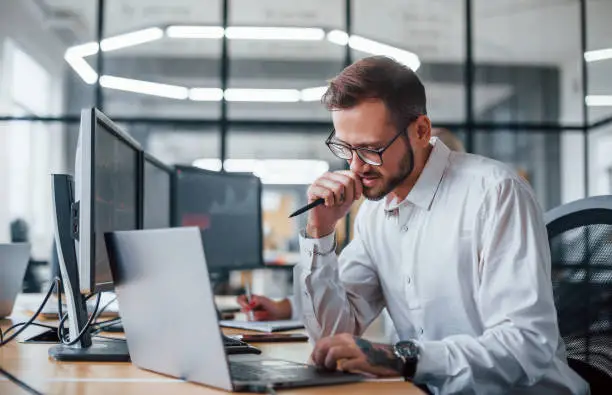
pixel 378 192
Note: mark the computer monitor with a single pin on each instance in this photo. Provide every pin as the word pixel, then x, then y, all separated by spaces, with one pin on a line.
pixel 108 188
pixel 227 209
pixel 82 346
pixel 157 187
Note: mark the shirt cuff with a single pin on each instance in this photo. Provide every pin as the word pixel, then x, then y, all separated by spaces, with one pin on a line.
pixel 310 247
pixel 433 360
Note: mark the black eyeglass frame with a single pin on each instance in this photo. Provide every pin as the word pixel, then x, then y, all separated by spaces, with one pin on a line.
pixel 358 150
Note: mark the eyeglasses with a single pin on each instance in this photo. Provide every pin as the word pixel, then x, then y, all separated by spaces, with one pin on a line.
pixel 368 155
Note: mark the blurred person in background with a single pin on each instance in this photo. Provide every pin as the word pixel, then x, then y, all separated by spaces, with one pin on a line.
pixel 448 138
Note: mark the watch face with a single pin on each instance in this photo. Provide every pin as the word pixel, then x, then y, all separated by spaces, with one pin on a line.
pixel 407 349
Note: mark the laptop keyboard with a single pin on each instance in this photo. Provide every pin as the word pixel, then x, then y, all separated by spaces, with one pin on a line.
pixel 255 372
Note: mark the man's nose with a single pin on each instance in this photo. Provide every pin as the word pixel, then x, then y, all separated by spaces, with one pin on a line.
pixel 357 165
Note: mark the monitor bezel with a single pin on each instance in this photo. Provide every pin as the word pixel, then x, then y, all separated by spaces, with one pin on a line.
pixel 90 118
pixel 163 167
pixel 176 218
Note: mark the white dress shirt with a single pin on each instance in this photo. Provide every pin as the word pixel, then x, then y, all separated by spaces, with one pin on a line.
pixel 463 267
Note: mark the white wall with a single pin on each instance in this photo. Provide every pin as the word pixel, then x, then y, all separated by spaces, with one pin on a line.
pixel 572 145
pixel 599 36
pixel 600 139
pixel 599 31
pixel 23 31
pixel 22 22
pixel 600 144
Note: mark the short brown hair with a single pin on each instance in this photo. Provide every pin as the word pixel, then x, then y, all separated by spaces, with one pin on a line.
pixel 382 78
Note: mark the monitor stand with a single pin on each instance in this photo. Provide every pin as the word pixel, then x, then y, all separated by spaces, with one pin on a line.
pixel 98 351
pixel 86 349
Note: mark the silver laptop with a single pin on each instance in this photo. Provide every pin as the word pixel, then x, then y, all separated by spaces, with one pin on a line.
pixel 13 263
pixel 170 322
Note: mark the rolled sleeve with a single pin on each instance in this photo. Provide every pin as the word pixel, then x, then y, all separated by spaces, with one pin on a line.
pixel 310 249
pixel 336 294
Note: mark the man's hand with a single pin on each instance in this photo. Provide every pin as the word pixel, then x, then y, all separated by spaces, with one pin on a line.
pixel 353 354
pixel 339 190
pixel 266 309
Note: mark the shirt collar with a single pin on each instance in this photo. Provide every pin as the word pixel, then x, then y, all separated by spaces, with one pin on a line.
pixel 424 191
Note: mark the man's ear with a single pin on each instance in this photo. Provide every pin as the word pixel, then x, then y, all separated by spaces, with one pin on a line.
pixel 420 131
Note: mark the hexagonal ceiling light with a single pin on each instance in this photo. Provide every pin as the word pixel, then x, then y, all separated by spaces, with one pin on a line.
pixel 75 57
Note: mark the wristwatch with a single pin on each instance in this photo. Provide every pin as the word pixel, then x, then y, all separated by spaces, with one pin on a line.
pixel 408 351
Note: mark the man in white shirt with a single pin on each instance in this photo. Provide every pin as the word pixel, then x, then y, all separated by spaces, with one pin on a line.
pixel 266 309
pixel 452 244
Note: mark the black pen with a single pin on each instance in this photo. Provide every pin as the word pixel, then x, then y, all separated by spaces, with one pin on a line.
pixel 307 207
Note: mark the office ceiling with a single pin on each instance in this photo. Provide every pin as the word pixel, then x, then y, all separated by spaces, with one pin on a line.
pixel 508 31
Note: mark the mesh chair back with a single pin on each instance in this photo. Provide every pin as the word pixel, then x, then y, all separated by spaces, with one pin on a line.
pixel 580 236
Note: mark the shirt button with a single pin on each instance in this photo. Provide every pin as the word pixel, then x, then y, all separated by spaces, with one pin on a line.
pixel 310 253
pixel 404 228
pixel 409 279
pixel 421 331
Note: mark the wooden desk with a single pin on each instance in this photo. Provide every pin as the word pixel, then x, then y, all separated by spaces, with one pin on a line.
pixel 31 364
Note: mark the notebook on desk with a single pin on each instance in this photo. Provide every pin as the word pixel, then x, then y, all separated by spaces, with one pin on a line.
pixel 263 326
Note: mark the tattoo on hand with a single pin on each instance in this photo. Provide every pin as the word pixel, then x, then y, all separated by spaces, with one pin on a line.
pixel 381 355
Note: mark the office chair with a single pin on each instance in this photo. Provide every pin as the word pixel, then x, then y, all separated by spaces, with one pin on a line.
pixel 580 237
